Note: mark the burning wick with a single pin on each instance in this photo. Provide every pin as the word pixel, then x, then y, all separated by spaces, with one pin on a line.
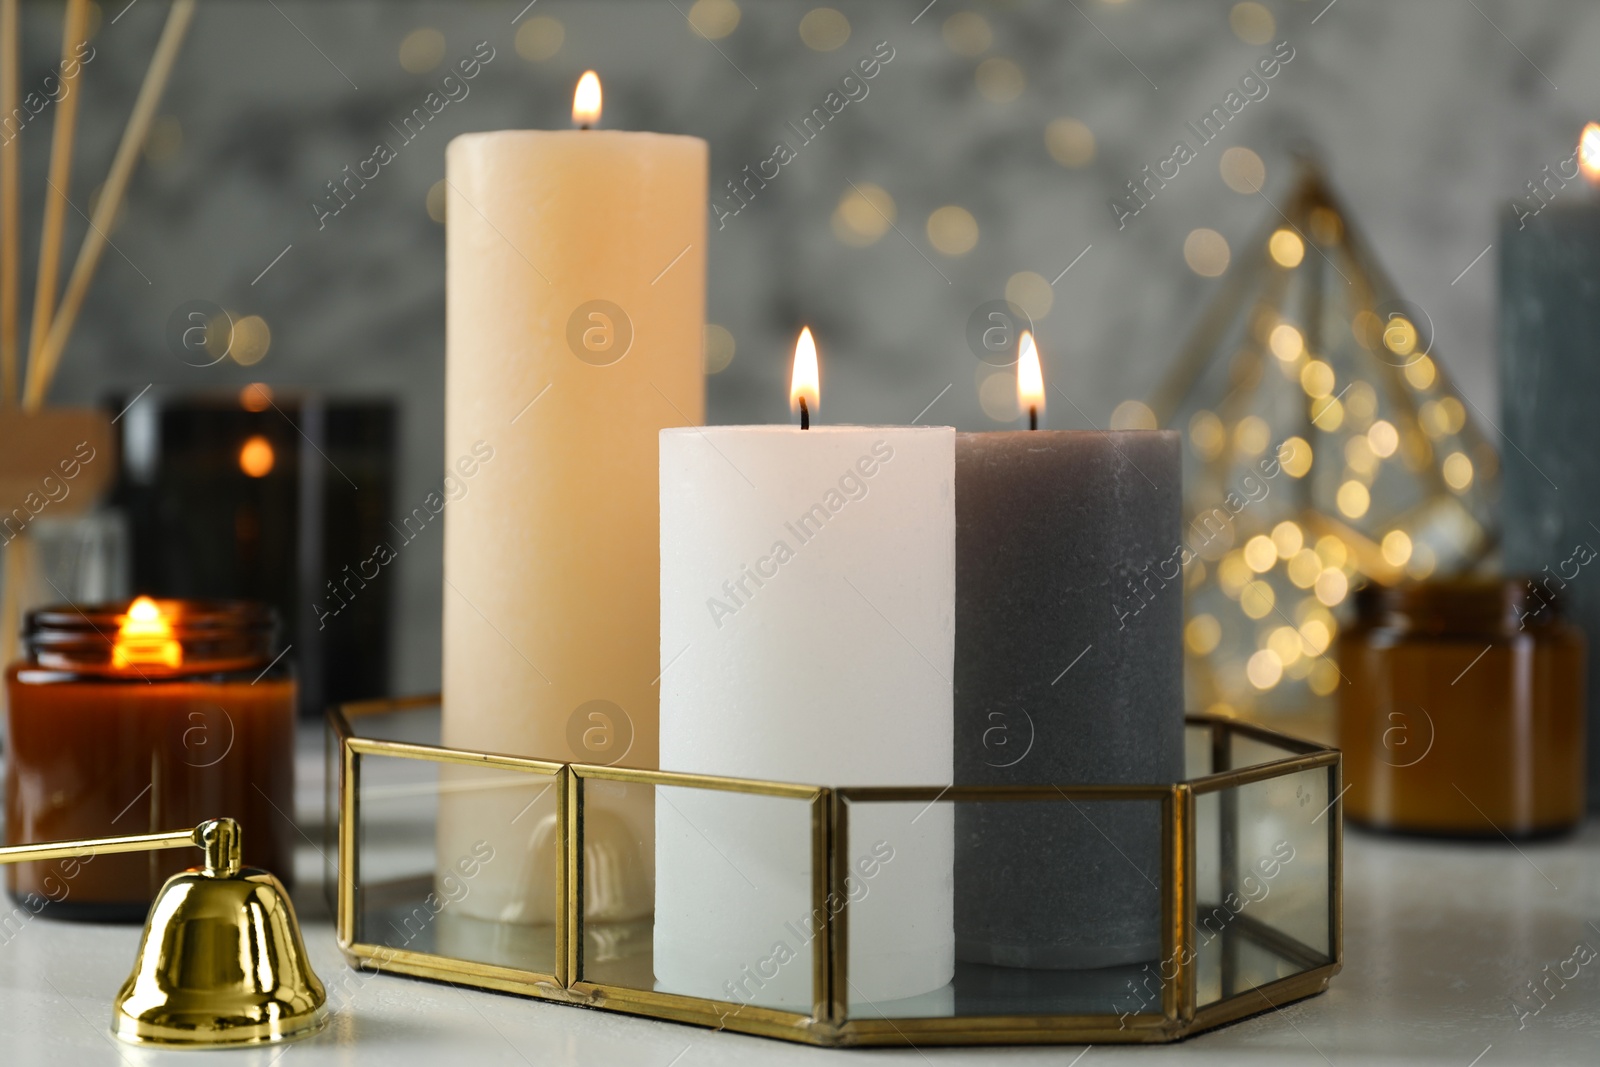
pixel 586 101
pixel 145 637
pixel 805 389
pixel 1589 152
pixel 1030 379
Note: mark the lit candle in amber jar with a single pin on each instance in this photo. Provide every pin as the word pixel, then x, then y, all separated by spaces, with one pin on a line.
pixel 142 718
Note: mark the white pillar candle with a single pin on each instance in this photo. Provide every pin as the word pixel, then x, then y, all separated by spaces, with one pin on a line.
pixel 576 303
pixel 807 635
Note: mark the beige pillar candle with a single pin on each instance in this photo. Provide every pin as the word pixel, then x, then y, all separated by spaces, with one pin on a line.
pixel 575 318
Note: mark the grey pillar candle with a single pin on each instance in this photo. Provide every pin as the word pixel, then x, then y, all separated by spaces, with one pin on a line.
pixel 1549 385
pixel 1068 670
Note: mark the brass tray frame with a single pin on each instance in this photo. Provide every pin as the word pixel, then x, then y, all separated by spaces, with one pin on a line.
pixel 830 1022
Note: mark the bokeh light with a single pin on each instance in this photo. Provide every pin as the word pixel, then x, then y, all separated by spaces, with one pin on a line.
pixel 1133 415
pixel 1242 170
pixel 1286 248
pixel 541 37
pixel 719 347
pixel 952 230
pixel 999 80
pixel 1206 251
pixel 1031 292
pixel 421 50
pixel 1069 142
pixel 967 33
pixel 864 214
pixel 1252 23
pixel 714 19
pixel 823 29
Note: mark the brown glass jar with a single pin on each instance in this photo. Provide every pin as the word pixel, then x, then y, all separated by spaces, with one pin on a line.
pixel 131 719
pixel 1461 710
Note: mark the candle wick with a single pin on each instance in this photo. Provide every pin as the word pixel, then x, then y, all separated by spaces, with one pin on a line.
pixel 805 415
pixel 1033 418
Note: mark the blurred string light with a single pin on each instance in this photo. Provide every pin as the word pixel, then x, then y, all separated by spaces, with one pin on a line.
pixel 999 80
pixel 1032 293
pixel 541 37
pixel 1286 342
pixel 1286 248
pixel 864 214
pixel 823 29
pixel 1242 170
pixel 719 348
pixel 1324 448
pixel 241 338
pixel 1251 435
pixel 967 33
pixel 1207 434
pixel 421 50
pixel 714 19
pixel 1206 251
pixel 1252 23
pixel 952 230
pixel 436 200
pixel 1202 633
pixel 997 393
pixel 251 339
pixel 1133 415
pixel 1070 142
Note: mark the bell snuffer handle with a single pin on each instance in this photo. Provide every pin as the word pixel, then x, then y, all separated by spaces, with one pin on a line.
pixel 219 838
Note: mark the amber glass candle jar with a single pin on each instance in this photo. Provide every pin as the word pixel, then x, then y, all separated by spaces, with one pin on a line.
pixel 1462 710
pixel 139 718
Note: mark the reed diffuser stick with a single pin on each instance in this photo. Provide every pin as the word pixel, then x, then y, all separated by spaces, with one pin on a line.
pixel 43 367
pixel 17 594
pixel 55 203
pixel 10 198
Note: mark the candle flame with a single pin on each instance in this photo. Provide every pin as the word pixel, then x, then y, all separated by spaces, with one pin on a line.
pixel 1030 377
pixel 145 637
pixel 1589 152
pixel 805 383
pixel 586 101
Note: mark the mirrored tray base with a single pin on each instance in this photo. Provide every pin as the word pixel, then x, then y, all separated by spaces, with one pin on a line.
pixel 743 905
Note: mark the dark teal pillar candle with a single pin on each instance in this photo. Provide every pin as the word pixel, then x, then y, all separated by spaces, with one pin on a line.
pixel 1550 414
pixel 1068 670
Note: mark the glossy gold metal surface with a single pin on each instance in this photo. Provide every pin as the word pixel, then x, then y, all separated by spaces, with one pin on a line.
pixel 222 962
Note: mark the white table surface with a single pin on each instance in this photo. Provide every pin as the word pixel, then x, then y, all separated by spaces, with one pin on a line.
pixel 1438 940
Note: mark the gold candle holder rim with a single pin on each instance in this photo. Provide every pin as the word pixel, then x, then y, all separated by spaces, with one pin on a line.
pixel 830 1023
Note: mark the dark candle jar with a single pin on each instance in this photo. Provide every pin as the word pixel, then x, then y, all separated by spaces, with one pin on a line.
pixel 1462 710
pixel 141 718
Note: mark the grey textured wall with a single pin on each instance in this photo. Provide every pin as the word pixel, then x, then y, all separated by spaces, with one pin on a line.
pixel 1431 115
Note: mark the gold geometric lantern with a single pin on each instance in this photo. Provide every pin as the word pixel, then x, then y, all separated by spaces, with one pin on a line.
pixel 1325 447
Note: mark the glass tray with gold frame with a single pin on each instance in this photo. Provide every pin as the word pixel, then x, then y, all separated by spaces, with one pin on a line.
pixel 1245 892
